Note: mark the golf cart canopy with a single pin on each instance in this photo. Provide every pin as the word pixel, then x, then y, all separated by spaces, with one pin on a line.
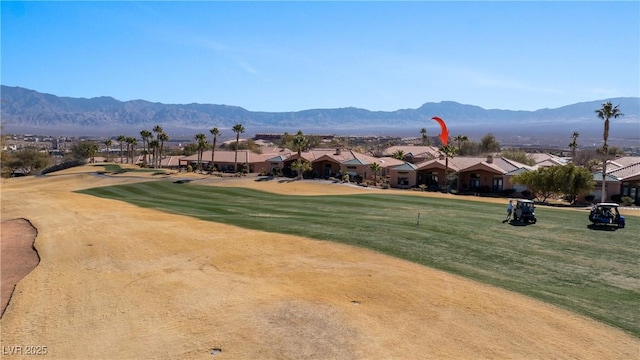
pixel 608 204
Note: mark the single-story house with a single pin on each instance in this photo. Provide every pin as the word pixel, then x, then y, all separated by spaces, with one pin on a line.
pixel 225 160
pixel 485 174
pixel 327 163
pixel 623 178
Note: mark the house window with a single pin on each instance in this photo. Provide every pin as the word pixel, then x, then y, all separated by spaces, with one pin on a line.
pixel 403 178
pixel 432 179
pixel 474 181
pixel 632 190
pixel 497 184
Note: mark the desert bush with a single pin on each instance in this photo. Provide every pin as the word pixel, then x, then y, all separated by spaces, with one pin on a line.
pixel 63 165
pixel 627 200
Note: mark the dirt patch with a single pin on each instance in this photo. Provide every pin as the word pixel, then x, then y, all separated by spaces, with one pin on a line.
pixel 18 255
pixel 120 281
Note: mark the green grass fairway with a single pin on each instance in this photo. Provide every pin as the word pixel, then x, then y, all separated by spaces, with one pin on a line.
pixel 558 260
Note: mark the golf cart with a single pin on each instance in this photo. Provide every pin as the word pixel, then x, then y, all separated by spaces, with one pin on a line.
pixel 524 211
pixel 606 214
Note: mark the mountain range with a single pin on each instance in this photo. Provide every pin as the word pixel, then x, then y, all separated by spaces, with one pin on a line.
pixel 29 111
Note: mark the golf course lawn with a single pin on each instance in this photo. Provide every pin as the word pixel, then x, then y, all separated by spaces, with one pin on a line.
pixel 559 259
pixel 170 265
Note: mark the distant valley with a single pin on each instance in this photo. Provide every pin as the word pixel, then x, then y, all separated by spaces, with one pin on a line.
pixel 29 111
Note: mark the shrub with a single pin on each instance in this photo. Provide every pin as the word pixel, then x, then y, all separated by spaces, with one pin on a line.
pixel 616 198
pixel 590 197
pixel 63 165
pixel 508 192
pixel 627 200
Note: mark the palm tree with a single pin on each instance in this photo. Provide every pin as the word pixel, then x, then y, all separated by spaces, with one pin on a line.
pixel 158 130
pixel 201 145
pixel 448 151
pixel 574 145
pixel 92 150
pixel 460 139
pixel 215 132
pixel 131 142
pixel 300 144
pixel 398 154
pixel 146 135
pixel 107 144
pixel 375 168
pixel 162 137
pixel 153 148
pixel 606 112
pixel 238 129
pixel 425 139
pixel 121 139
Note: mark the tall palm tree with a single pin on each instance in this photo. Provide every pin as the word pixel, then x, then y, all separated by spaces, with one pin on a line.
pixel 153 149
pixel 130 147
pixel 163 137
pixel 375 168
pixel 425 139
pixel 107 144
pixel 146 135
pixel 448 151
pixel 238 129
pixel 201 145
pixel 158 130
pixel 121 139
pixel 215 132
pixel 300 144
pixel 606 112
pixel 574 145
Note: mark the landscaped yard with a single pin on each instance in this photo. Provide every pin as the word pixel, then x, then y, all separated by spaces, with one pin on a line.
pixel 559 260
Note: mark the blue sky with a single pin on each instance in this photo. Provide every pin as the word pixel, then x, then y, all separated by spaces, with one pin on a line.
pixel 291 56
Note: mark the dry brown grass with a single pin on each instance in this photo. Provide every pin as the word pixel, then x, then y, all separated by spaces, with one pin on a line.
pixel 118 281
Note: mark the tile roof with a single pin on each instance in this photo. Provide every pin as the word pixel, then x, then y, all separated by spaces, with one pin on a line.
pixel 437 164
pixel 626 172
pixel 412 150
pixel 623 161
pixel 407 166
pixel 598 177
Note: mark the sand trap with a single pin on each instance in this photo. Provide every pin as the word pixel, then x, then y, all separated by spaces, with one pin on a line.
pixel 18 255
pixel 117 281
